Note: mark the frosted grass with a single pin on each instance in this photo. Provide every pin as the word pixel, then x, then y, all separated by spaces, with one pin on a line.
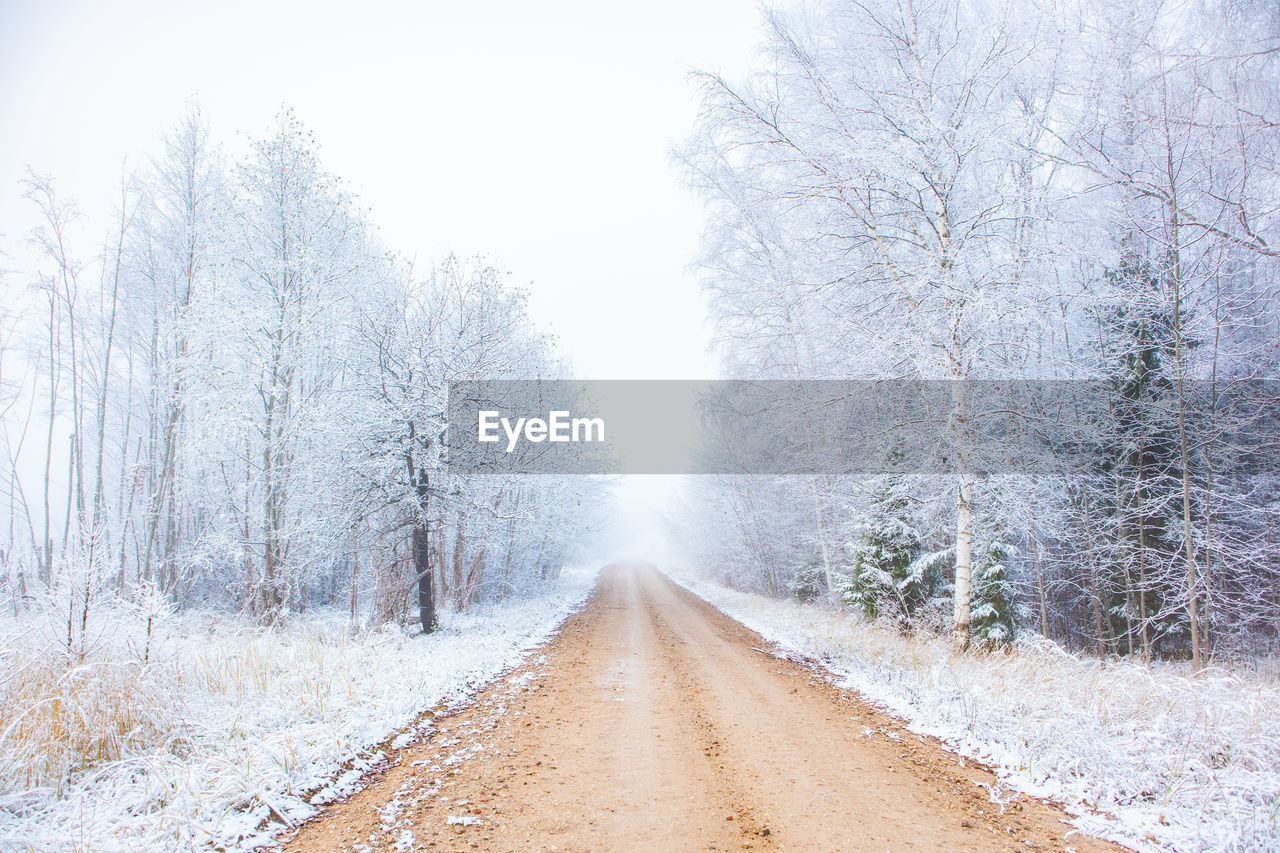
pixel 228 730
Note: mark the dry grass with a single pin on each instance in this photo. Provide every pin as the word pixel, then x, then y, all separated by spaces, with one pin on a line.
pixel 60 718
pixel 227 726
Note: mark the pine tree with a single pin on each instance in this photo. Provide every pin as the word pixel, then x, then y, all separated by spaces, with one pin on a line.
pixel 1138 465
pixel 807 582
pixel 885 579
pixel 994 613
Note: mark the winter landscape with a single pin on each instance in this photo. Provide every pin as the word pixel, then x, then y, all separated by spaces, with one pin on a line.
pixel 975 544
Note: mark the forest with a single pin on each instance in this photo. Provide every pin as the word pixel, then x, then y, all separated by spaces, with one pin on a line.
pixel 1074 193
pixel 240 403
pixel 249 587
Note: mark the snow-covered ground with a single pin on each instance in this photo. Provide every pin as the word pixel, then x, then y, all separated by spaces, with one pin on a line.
pixel 1147 756
pixel 227 729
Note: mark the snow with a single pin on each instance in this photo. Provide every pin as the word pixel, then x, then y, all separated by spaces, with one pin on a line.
pixel 1149 756
pixel 463 820
pixel 250 727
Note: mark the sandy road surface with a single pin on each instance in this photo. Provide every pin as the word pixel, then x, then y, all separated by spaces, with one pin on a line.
pixel 653 722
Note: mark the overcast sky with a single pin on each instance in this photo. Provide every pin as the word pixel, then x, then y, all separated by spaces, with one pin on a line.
pixel 537 133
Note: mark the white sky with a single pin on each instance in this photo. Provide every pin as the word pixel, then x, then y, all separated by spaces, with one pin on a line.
pixel 537 133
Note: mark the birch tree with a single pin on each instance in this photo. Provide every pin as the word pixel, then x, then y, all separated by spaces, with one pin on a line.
pixel 884 140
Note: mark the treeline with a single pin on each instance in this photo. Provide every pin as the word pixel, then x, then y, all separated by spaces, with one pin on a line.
pixel 956 190
pixel 240 402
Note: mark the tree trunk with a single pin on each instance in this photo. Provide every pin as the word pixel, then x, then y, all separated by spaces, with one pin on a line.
pixel 422 557
pixel 964 563
pixel 1193 594
pixel 355 588
pixel 964 522
pixel 1035 556
pixel 443 593
pixel 459 550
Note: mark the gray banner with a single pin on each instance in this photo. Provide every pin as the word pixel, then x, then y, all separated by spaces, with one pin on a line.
pixel 844 427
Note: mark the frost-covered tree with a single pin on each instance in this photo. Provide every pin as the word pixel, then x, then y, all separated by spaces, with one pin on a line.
pixel 885 578
pixel 994 611
pixel 249 402
pixel 292 268
pixel 1167 122
pixel 468 538
pixel 886 148
pixel 172 255
pixel 807 582
pixel 963 189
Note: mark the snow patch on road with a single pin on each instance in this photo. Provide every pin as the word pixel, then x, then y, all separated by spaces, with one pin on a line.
pixel 1146 756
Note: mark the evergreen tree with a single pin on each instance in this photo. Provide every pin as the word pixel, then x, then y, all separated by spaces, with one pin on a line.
pixel 1139 465
pixel 994 612
pixel 885 577
pixel 807 582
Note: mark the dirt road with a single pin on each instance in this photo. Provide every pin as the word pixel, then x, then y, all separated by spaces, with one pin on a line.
pixel 653 722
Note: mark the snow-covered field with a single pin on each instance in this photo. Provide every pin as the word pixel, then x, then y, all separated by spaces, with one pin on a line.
pixel 1147 756
pixel 227 729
